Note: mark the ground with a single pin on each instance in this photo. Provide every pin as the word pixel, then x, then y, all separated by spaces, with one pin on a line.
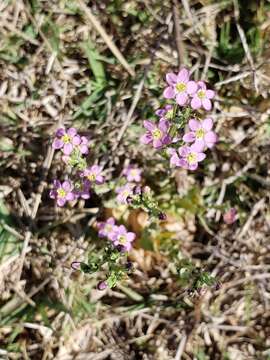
pixel 58 67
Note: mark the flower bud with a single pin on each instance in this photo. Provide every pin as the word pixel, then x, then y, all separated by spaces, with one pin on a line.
pixel 230 216
pixel 102 285
pixel 162 216
pixel 76 265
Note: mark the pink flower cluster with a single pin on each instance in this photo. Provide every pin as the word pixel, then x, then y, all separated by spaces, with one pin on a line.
pixel 200 135
pixel 68 140
pixel 118 235
pixel 74 147
pixel 185 91
pixel 133 175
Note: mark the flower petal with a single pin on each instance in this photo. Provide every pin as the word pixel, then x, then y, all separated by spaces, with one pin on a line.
pixel 207 124
pixel 67 186
pixel 60 132
pixel 130 236
pixel 207 104
pixel 57 144
pixel 160 112
pixel 157 143
pixel 61 202
pixel 166 139
pixel 210 139
pixel 194 124
pixel 181 98
pixel 68 149
pixel 193 166
pixel 70 196
pixel 84 149
pixel 210 94
pixel 195 103
pixel 198 146
pixel 169 93
pixel 192 87
pixel 183 76
pixel 72 132
pixel 184 151
pixel 76 140
pixel 163 125
pixel 149 125
pixel 189 137
pixel 171 78
pixel 202 85
pixel 201 156
pixel 146 139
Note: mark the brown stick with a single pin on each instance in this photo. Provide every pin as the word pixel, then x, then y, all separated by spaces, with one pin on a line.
pixel 178 39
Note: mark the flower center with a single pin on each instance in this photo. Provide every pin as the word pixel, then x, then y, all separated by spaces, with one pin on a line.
pixel 200 133
pixel 61 192
pixel 169 114
pixel 180 87
pixel 133 172
pixel 192 158
pixel 122 239
pixel 66 139
pixel 108 228
pixel 157 134
pixel 91 177
pixel 201 94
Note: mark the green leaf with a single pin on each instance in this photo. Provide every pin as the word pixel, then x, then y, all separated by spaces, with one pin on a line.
pixel 94 62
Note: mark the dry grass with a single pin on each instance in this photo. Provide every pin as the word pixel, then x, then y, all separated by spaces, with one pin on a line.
pixel 56 67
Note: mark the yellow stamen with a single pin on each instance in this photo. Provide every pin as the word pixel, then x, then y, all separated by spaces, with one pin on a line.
pixel 61 192
pixel 192 158
pixel 66 139
pixel 200 133
pixel 91 177
pixel 180 87
pixel 201 94
pixel 157 134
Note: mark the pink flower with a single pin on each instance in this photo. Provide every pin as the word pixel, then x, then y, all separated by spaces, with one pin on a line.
pixel 156 134
pixel 84 145
pixel 62 192
pixel 179 87
pixel 93 175
pixel 124 192
pixel 123 238
pixel 165 113
pixel 201 133
pixel 230 216
pixel 188 157
pixel 66 140
pixel 202 97
pixel 132 173
pixel 106 228
pixel 82 190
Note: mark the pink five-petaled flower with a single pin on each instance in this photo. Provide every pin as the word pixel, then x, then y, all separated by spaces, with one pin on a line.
pixel 188 157
pixel 201 132
pixel 66 140
pixel 156 134
pixel 165 113
pixel 93 175
pixel 180 87
pixel 132 173
pixel 123 238
pixel 62 192
pixel 202 97
pixel 106 228
pixel 124 192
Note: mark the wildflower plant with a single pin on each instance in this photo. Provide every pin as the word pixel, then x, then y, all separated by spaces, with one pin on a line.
pixel 179 133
